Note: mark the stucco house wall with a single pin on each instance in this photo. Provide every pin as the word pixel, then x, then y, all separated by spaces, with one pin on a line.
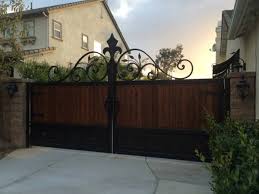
pixel 248 44
pixel 232 46
pixel 97 25
pixel 243 34
pixel 249 51
pixel 41 33
pixel 216 46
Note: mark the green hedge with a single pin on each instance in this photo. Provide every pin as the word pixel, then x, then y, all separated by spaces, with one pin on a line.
pixel 235 157
pixel 37 71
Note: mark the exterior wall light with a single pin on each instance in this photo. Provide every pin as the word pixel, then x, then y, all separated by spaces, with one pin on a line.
pixel 243 88
pixel 11 89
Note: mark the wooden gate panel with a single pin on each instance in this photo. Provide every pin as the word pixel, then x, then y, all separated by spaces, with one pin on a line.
pixel 78 105
pixel 167 118
pixel 70 116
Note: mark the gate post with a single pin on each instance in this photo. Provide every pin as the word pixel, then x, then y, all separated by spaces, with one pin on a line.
pixel 111 101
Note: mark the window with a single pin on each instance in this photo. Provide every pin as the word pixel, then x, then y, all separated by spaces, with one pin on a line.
pixel 97 47
pixel 29 28
pixel 7 33
pixel 57 30
pixel 84 41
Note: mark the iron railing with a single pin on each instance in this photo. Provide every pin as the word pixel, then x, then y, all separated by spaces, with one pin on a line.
pixel 234 64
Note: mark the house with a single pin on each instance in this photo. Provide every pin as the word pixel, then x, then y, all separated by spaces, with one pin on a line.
pixel 61 34
pixel 222 36
pixel 239 29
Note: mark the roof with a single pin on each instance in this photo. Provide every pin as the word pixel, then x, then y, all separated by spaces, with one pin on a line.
pixel 244 16
pixel 226 22
pixel 41 11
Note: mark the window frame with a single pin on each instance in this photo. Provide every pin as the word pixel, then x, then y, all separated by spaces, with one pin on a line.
pixel 54 29
pixel 33 21
pixel 6 35
pixel 82 41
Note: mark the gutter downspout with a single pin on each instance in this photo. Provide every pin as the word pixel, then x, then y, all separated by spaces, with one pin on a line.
pixel 46 16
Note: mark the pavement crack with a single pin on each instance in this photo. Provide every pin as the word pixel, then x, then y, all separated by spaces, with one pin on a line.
pixel 23 178
pixel 157 179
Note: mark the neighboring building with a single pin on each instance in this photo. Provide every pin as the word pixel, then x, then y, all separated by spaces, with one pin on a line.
pixel 240 30
pixel 61 34
pixel 216 46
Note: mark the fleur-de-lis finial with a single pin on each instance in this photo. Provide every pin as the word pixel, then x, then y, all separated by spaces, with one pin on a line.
pixel 112 46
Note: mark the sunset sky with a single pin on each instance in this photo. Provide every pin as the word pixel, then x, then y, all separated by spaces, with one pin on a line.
pixel 154 24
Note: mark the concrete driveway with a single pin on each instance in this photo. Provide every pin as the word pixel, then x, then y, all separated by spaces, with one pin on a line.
pixel 55 171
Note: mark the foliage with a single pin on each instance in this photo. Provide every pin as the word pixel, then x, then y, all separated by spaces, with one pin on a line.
pixel 235 157
pixel 37 71
pixel 98 70
pixel 9 24
pixel 168 58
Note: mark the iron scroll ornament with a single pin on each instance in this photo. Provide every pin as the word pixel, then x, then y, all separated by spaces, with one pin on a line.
pixel 128 67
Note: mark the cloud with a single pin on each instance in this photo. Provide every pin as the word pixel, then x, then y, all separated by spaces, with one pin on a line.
pixel 122 8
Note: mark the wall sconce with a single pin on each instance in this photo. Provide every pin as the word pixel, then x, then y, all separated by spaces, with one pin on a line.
pixel 243 88
pixel 11 89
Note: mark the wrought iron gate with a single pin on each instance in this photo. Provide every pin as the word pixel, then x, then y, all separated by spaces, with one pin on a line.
pixel 119 72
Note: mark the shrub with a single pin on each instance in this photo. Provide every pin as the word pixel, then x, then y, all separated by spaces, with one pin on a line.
pixel 37 71
pixel 234 147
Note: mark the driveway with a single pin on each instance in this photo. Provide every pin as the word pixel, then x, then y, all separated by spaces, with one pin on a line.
pixel 55 171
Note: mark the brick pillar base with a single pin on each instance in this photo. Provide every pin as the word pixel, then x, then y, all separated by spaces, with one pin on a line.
pixel 13 114
pixel 242 109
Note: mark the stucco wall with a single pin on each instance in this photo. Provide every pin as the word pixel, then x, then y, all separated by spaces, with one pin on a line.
pixel 219 58
pixel 249 48
pixel 91 19
pixel 41 33
pixel 232 46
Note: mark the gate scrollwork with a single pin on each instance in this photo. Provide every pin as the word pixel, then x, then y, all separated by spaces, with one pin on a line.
pixel 133 64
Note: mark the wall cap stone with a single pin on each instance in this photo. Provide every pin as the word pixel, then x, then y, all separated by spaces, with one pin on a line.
pixel 14 80
pixel 240 74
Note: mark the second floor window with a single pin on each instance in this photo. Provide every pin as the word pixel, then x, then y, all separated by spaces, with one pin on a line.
pixel 84 41
pixel 57 30
pixel 29 28
pixel 7 33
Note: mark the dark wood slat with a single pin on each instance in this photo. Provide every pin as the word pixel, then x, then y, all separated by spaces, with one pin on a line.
pixel 176 105
pixel 70 104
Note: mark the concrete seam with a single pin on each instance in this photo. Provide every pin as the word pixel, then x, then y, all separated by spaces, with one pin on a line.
pixel 19 180
pixel 157 179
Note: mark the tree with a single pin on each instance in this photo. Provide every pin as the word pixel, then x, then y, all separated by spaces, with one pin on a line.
pixel 168 58
pixel 9 28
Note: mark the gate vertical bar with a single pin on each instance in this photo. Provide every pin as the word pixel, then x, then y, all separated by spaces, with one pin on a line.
pixel 111 101
pixel 28 114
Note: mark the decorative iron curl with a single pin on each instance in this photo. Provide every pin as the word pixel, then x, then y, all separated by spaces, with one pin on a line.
pixel 134 68
pixel 81 71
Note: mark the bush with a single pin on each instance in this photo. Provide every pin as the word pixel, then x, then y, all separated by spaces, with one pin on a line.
pixel 37 71
pixel 234 147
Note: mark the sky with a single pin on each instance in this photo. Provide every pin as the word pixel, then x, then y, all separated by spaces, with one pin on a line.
pixel 154 24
